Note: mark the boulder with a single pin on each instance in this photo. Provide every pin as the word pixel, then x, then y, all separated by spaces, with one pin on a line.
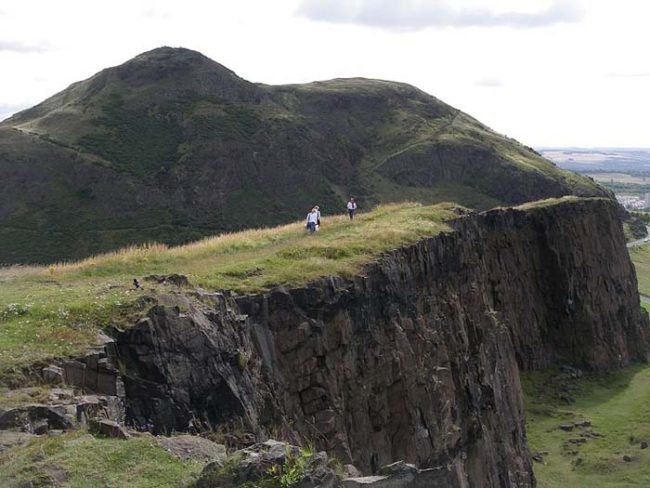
pixel 402 475
pixel 370 481
pixel 194 447
pixel 174 278
pixel 99 407
pixel 351 471
pixel 33 418
pixel 60 395
pixel 318 473
pixel 398 468
pixel 258 461
pixel 53 375
pixel 108 428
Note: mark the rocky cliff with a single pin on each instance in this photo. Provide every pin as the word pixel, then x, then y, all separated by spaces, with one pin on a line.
pixel 416 360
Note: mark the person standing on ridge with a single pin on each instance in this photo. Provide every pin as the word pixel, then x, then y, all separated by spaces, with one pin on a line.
pixel 352 207
pixel 312 219
pixel 318 212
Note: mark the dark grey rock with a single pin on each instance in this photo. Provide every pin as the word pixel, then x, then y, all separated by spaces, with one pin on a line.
pixel 174 279
pixel 53 375
pixel 57 395
pixel 30 418
pixel 194 447
pixel 582 423
pixel 89 407
pixel 371 481
pixel 108 428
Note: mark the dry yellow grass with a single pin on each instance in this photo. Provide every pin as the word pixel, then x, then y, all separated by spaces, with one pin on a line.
pixel 56 310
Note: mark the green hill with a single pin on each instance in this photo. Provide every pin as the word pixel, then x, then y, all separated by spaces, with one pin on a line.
pixel 171 146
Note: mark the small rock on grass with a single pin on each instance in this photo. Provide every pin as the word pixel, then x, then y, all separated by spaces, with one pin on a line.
pixel 108 428
pixel 193 447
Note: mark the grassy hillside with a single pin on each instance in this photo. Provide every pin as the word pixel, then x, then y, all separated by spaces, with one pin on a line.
pixel 82 460
pixel 57 310
pixel 171 146
pixel 609 452
pixel 640 256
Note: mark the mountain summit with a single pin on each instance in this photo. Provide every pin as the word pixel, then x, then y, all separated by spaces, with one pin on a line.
pixel 172 146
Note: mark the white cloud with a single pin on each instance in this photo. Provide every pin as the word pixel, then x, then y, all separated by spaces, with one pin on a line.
pixel 7 110
pixel 490 82
pixel 21 47
pixel 420 14
pixel 645 74
pixel 542 86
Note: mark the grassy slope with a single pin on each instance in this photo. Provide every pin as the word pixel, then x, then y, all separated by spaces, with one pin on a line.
pixel 57 310
pixel 641 258
pixel 618 406
pixel 87 461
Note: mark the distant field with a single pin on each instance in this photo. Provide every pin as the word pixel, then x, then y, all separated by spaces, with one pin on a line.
pixel 606 454
pixel 585 160
pixel 619 178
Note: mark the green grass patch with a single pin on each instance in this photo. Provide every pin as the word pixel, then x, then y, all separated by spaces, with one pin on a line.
pixel 618 405
pixel 57 310
pixel 640 256
pixel 87 461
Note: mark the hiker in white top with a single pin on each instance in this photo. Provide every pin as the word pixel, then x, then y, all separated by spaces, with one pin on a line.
pixel 352 207
pixel 312 220
pixel 318 212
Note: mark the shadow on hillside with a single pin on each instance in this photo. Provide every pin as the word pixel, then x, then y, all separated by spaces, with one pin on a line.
pixel 555 389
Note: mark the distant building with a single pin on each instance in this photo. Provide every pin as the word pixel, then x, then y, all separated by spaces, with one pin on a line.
pixel 633 202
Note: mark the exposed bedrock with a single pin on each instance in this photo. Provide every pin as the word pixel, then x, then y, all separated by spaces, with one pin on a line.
pixel 416 360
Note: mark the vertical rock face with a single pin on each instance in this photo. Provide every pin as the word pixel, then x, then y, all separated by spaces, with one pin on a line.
pixel 418 359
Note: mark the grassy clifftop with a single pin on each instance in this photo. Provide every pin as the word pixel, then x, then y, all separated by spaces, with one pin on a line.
pixel 58 310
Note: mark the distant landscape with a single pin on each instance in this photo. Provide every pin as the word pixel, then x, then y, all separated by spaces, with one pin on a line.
pixel 625 171
pixel 588 160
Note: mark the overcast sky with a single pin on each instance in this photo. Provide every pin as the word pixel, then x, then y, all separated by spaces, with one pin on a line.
pixel 548 73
